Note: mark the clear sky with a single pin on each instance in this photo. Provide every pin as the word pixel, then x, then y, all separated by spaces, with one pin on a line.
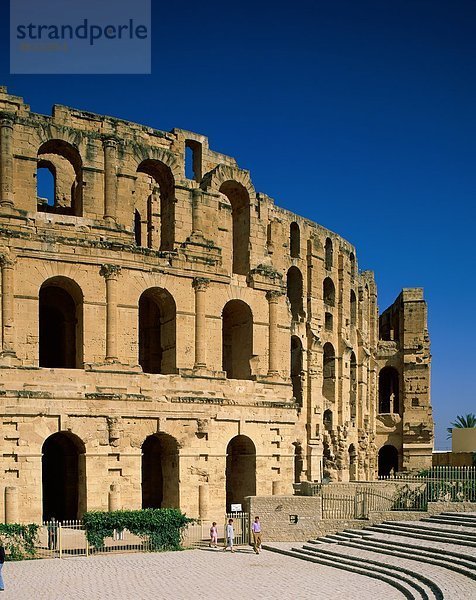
pixel 358 114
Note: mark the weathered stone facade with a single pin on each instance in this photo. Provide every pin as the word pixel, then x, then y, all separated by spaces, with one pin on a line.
pixel 172 337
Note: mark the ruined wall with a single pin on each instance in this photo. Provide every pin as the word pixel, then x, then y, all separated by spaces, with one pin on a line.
pixel 113 300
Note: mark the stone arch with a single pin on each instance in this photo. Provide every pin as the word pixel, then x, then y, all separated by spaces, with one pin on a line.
pixel 63 160
pixel 298 461
pixel 327 420
pixel 388 391
pixel 240 470
pixel 63 477
pixel 214 179
pixel 353 308
pixel 352 265
pixel 294 291
pixel 237 339
pixel 239 199
pixel 294 240
pixel 60 306
pixel 329 292
pixel 160 179
pixel 387 460
pixel 329 372
pixel 296 368
pixel 352 463
pixel 353 386
pixel 160 472
pixel 329 254
pixel 157 331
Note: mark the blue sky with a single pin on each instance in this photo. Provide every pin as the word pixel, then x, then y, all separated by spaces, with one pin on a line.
pixel 359 115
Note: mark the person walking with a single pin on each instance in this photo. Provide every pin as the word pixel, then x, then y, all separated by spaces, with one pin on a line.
pixel 213 536
pixel 256 529
pixel 2 560
pixel 230 535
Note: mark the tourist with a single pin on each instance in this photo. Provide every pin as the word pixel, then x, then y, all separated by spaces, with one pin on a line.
pixel 2 560
pixel 213 536
pixel 256 529
pixel 229 534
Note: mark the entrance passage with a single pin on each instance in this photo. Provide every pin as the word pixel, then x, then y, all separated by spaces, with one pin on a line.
pixel 160 472
pixel 60 324
pixel 387 460
pixel 63 477
pixel 240 470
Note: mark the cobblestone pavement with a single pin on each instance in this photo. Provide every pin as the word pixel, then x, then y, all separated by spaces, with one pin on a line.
pixel 191 574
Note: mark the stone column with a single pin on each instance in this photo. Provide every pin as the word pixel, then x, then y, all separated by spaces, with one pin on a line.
pixel 6 160
pixel 200 285
pixel 203 498
pixel 197 221
pixel 111 274
pixel 11 505
pixel 114 500
pixel 273 298
pixel 110 178
pixel 7 263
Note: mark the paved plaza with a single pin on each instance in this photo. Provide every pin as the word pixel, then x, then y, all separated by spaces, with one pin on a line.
pixel 183 575
pixel 433 559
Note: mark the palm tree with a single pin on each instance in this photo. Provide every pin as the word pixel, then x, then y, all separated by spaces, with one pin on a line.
pixel 462 422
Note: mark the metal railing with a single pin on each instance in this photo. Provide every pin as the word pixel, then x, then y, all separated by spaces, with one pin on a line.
pixel 399 492
pixel 68 538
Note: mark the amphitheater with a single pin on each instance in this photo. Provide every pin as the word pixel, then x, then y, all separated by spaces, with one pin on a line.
pixel 171 337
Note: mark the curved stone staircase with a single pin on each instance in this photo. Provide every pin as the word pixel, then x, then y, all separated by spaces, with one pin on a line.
pixel 434 558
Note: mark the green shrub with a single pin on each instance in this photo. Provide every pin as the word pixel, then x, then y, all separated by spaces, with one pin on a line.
pixel 163 526
pixel 19 540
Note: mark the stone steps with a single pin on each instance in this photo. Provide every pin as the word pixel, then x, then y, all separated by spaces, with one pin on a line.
pixel 416 533
pixel 457 564
pixel 371 553
pixel 377 538
pixel 410 590
pixel 421 586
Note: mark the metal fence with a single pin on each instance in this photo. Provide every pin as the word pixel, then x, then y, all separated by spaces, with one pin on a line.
pixel 398 492
pixel 241 527
pixel 68 538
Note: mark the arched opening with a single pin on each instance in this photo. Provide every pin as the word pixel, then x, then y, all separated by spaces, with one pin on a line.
pixel 240 470
pixel 328 321
pixel 329 372
pixel 239 199
pixel 61 324
pixel 388 391
pixel 193 160
pixel 294 240
pixel 352 463
pixel 159 182
pixel 157 332
pixel 329 254
pixel 298 461
pixel 329 292
pixel 137 228
pixel 63 477
pixel 237 339
pixel 352 265
pixel 387 460
pixel 353 387
pixel 353 308
pixel 294 290
pixel 59 178
pixel 160 472
pixel 327 420
pixel 296 368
